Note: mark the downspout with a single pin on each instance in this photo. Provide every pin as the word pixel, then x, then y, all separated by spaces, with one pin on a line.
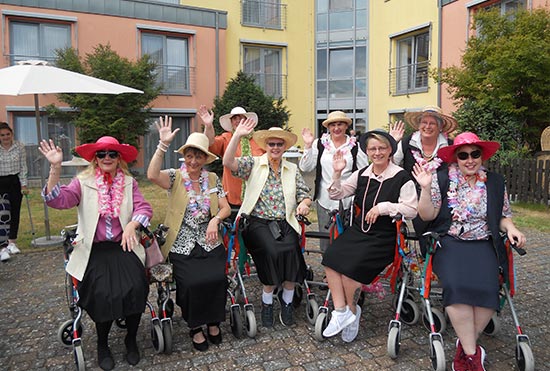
pixel 217 53
pixel 439 44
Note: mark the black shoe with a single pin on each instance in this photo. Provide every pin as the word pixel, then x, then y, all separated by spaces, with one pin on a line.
pixel 215 339
pixel 105 358
pixel 132 351
pixel 201 347
pixel 267 315
pixel 285 316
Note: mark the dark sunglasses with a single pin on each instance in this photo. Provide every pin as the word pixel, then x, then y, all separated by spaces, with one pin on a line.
pixel 464 155
pixel 278 144
pixel 102 154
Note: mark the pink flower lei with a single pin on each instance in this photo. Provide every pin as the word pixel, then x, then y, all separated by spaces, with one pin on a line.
pixel 109 195
pixel 461 210
pixel 327 143
pixel 193 205
pixel 430 166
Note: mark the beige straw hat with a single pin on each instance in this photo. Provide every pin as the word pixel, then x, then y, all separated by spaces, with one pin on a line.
pixel 200 142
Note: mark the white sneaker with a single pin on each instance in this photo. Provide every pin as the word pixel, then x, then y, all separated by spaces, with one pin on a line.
pixel 13 249
pixel 350 333
pixel 338 322
pixel 4 254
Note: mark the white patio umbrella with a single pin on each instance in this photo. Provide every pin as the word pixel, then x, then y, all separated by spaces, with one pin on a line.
pixel 37 77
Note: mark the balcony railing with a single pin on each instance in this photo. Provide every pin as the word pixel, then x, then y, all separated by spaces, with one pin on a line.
pixel 265 14
pixel 410 78
pixel 272 84
pixel 176 79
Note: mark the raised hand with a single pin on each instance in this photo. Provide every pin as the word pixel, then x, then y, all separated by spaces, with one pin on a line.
pixel 53 153
pixel 164 127
pixel 206 116
pixel 245 127
pixel 308 137
pixel 423 177
pixel 397 130
pixel 338 162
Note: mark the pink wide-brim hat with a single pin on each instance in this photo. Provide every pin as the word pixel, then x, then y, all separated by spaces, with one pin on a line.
pixel 87 151
pixel 488 148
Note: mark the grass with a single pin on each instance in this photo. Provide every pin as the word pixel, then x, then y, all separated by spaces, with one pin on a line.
pixel 526 216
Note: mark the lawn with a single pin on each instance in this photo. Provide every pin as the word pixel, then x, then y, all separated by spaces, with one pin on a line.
pixel 525 215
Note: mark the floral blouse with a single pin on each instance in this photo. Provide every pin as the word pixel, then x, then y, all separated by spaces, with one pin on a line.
pixel 271 203
pixel 473 202
pixel 193 229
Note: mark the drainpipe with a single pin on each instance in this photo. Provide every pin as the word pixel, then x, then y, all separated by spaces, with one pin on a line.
pixel 439 43
pixel 217 52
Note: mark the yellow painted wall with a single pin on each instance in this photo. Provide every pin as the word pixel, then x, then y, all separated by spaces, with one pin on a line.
pixel 298 56
pixel 387 18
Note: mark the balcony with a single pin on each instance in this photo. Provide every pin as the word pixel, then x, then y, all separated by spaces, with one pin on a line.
pixel 264 14
pixel 409 79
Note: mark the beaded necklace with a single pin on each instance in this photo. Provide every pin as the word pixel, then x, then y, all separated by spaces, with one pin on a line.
pixel 194 198
pixel 462 210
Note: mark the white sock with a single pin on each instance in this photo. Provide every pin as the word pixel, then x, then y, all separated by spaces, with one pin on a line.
pixel 341 310
pixel 267 297
pixel 288 295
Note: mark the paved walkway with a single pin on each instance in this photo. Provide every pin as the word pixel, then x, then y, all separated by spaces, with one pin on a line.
pixel 33 306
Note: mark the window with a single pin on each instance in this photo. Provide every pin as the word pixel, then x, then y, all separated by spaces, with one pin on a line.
pixel 412 62
pixel 263 13
pixel 35 40
pixel 507 6
pixel 265 65
pixel 62 133
pixel 345 68
pixel 172 57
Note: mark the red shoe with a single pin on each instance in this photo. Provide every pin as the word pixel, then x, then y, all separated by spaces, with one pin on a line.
pixel 475 362
pixel 459 362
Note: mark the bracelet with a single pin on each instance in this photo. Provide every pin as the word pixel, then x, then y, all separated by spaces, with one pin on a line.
pixel 218 217
pixel 163 145
pixel 161 149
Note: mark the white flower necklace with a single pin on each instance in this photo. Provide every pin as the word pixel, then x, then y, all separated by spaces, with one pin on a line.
pixel 329 146
pixel 431 165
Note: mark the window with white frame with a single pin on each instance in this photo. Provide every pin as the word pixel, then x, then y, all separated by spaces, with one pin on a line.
pixel 263 13
pixel 265 65
pixel 37 40
pixel 340 71
pixel 412 61
pixel 171 54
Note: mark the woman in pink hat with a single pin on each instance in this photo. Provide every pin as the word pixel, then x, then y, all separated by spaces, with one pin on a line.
pixel 107 260
pixel 469 208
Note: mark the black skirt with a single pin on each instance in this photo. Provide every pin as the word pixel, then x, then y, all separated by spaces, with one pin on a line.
pixel 361 256
pixel 276 261
pixel 114 285
pixel 201 285
pixel 468 272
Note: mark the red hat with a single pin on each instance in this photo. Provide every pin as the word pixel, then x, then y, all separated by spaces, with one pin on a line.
pixel 87 151
pixel 488 149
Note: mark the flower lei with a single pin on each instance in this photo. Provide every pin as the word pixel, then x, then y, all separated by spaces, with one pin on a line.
pixel 193 205
pixel 430 166
pixel 461 210
pixel 327 143
pixel 109 195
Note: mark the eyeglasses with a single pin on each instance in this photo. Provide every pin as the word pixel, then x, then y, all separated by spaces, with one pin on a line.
pixel 102 154
pixel 275 144
pixel 464 155
pixel 376 149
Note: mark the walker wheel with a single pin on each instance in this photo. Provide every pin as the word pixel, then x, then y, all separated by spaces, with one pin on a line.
pixel 321 324
pixel 250 322
pixel 121 323
pixel 79 358
pixel 409 312
pixel 493 327
pixel 312 310
pixel 65 332
pixel 393 342
pixel 524 357
pixel 440 323
pixel 236 321
pixel 438 356
pixel 156 336
pixel 167 336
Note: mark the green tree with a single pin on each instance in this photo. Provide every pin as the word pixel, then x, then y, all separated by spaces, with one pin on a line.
pixel 505 73
pixel 242 91
pixel 124 116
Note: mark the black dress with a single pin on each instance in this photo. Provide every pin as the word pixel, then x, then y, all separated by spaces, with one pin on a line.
pixel 363 251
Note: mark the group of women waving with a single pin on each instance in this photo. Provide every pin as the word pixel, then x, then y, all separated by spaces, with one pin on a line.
pixel 442 184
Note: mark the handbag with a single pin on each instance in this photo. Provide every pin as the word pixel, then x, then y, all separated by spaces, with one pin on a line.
pixel 153 255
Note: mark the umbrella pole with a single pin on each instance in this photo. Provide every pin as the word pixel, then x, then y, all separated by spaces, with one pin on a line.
pixel 42 181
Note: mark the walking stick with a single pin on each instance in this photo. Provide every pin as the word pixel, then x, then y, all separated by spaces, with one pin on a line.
pixel 30 219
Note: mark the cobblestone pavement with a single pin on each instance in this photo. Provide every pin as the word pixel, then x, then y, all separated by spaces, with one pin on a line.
pixel 33 307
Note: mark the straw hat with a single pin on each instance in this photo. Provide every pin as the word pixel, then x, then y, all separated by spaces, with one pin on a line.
pixel 76 161
pixel 200 142
pixel 87 151
pixel 261 136
pixel 385 134
pixel 488 148
pixel 449 123
pixel 225 120
pixel 336 116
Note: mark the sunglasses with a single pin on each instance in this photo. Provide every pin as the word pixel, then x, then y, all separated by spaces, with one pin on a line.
pixel 102 154
pixel 464 155
pixel 278 144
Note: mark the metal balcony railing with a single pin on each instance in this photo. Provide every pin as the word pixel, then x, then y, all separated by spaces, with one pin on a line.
pixel 272 84
pixel 265 14
pixel 176 79
pixel 410 78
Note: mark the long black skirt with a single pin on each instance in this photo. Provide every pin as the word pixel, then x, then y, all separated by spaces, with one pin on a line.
pixel 361 256
pixel 114 285
pixel 468 272
pixel 201 285
pixel 276 261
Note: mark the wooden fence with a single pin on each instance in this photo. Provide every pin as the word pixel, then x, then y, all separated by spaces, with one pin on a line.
pixel 526 180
